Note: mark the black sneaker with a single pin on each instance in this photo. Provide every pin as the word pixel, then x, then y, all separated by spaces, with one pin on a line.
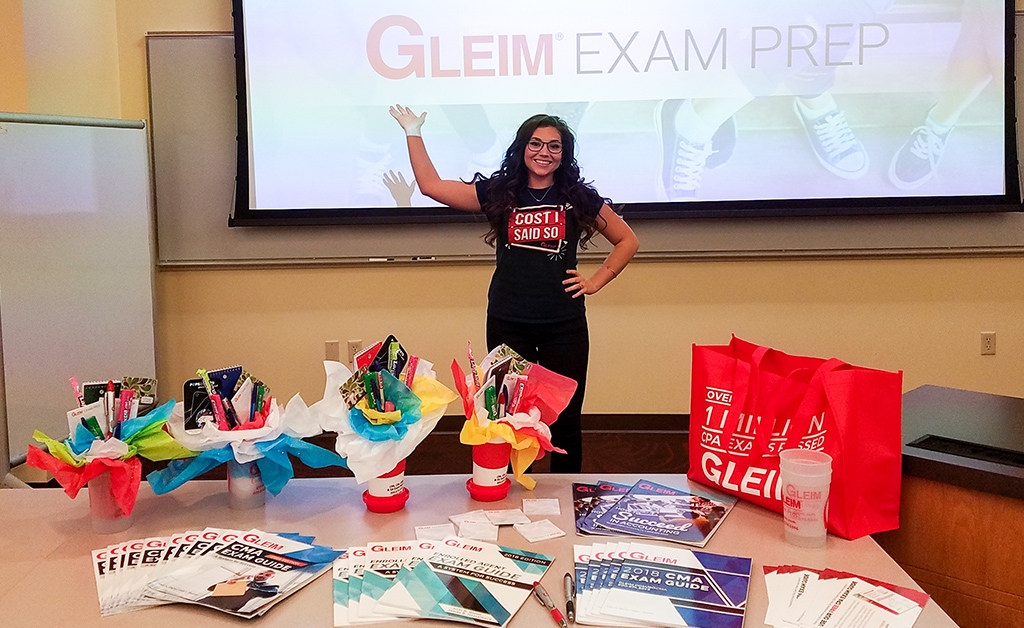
pixel 834 143
pixel 918 159
pixel 682 161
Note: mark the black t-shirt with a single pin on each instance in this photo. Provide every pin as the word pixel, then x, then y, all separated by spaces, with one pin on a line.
pixel 532 252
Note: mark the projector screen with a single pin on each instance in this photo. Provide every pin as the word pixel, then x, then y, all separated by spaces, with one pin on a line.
pixel 680 108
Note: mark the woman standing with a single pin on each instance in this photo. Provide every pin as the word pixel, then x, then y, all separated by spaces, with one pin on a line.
pixel 540 211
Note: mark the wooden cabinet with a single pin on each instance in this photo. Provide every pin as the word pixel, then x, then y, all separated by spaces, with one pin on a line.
pixel 965 548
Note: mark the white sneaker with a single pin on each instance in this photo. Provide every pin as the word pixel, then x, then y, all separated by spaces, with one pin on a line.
pixel 834 143
pixel 918 159
pixel 682 162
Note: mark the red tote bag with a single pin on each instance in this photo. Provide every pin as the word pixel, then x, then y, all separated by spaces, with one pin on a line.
pixel 748 403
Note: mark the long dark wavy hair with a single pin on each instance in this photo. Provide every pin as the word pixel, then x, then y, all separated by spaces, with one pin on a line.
pixel 513 176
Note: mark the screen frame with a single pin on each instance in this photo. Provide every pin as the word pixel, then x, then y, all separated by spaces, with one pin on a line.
pixel 1010 201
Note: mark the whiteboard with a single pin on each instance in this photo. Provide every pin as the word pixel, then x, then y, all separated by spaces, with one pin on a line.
pixel 193 114
pixel 76 263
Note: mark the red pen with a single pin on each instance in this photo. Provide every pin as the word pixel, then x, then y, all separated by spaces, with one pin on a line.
pixel 545 600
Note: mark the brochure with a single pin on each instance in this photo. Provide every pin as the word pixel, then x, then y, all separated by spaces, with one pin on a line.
pixel 803 597
pixel 687 515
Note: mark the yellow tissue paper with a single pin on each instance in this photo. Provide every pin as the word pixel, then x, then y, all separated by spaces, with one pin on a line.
pixel 525 449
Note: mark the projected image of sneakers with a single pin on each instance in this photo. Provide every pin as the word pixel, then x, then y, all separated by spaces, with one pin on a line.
pixel 833 142
pixel 682 161
pixel 917 160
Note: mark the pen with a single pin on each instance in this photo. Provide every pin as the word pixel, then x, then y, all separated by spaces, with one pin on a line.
pixel 570 598
pixel 545 600
pixel 108 406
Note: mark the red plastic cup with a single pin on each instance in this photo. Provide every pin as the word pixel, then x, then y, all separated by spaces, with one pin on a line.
pixel 387 493
pixel 490 481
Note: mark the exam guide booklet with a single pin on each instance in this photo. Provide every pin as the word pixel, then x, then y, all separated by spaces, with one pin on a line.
pixel 467 581
pixel 248 574
pixel 663 586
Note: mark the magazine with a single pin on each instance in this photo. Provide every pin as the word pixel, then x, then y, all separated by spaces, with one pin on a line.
pixel 671 586
pixel 468 581
pixel 687 515
pixel 582 501
pixel 604 496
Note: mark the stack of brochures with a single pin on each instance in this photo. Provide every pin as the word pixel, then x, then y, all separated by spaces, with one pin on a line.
pixel 686 514
pixel 639 584
pixel 455 579
pixel 240 572
pixel 825 598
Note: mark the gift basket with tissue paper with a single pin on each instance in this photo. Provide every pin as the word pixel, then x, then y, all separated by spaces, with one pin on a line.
pixel 114 424
pixel 381 412
pixel 229 416
pixel 509 404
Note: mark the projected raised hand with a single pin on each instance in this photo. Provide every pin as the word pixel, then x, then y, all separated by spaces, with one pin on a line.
pixel 400 190
pixel 409 120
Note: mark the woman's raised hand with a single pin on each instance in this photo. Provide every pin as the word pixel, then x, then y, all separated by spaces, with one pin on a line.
pixel 409 120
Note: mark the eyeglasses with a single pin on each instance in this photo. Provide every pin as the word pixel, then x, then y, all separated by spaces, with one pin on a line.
pixel 554 146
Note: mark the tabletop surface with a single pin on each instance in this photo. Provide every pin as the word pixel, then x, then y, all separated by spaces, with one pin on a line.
pixel 46 540
pixel 964 415
pixel 966 438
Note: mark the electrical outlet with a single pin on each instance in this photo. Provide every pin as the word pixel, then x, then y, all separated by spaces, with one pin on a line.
pixel 354 347
pixel 332 350
pixel 988 343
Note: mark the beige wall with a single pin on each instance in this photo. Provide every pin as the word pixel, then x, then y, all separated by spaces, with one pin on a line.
pixel 922 316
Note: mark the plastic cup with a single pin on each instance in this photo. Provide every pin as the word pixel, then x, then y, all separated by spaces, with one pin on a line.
pixel 387 493
pixel 806 476
pixel 107 517
pixel 245 485
pixel 490 471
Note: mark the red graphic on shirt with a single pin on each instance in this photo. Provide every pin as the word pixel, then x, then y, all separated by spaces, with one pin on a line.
pixel 540 228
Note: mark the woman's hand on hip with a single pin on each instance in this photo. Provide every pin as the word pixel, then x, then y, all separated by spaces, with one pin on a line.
pixel 578 285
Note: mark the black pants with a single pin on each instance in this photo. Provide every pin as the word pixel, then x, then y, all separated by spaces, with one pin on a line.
pixel 565 349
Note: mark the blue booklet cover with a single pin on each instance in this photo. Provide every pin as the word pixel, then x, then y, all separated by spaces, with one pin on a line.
pixel 603 496
pixel 671 586
pixel 682 514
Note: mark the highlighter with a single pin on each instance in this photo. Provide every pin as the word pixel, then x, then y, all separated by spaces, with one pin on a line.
pixel 369 385
pixel 491 401
pixel 410 370
pixel 393 357
pixel 379 382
